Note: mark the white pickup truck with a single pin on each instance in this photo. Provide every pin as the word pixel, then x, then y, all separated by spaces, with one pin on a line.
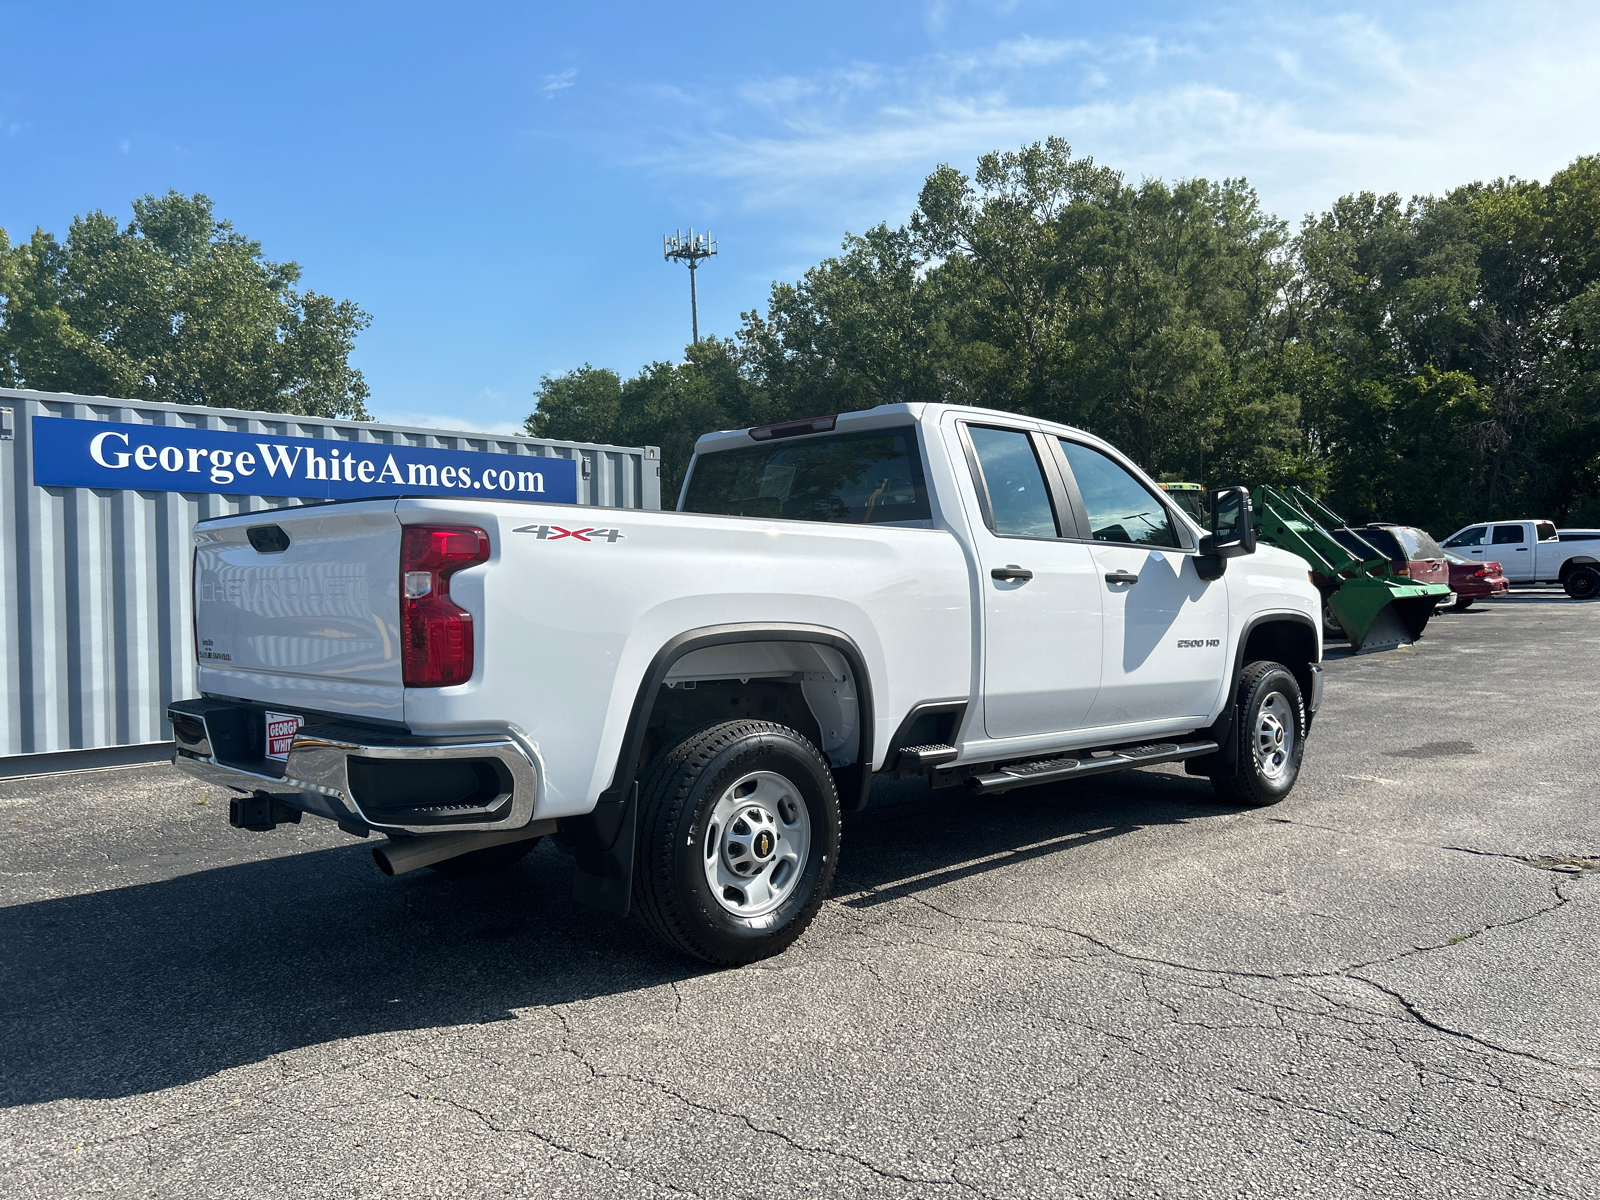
pixel 1534 552
pixel 688 699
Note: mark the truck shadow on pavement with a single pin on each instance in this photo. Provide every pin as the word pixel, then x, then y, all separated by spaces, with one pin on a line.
pixel 132 990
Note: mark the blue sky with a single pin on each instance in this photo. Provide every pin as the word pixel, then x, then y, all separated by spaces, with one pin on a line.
pixel 491 182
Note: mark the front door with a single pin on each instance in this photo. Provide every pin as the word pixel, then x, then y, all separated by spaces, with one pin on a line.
pixel 1165 640
pixel 1040 593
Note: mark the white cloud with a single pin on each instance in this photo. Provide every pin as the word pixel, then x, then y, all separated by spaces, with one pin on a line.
pixel 556 83
pixel 454 422
pixel 1308 106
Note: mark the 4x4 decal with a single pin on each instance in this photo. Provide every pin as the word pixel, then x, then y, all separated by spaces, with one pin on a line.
pixel 554 533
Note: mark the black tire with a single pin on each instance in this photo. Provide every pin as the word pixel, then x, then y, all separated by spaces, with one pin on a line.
pixel 1462 603
pixel 479 864
pixel 1265 688
pixel 680 793
pixel 1330 627
pixel 1582 583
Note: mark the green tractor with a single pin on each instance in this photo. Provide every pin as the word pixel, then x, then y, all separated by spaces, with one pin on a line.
pixel 1191 497
pixel 1377 607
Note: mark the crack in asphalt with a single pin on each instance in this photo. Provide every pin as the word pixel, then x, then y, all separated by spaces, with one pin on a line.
pixel 754 1127
pixel 1349 970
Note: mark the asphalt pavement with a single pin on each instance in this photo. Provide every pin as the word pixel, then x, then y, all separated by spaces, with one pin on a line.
pixel 1382 986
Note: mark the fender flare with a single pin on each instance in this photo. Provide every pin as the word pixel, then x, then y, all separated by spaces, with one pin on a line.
pixel 603 840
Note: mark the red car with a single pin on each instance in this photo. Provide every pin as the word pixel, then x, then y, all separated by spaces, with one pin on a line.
pixel 1413 552
pixel 1473 580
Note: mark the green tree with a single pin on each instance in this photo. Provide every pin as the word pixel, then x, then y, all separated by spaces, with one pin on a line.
pixel 667 405
pixel 1429 362
pixel 177 306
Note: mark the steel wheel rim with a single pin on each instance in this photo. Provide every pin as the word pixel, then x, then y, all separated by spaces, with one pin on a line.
pixel 757 841
pixel 1274 736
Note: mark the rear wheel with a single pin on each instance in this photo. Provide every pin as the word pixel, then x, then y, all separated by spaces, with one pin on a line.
pixel 738 840
pixel 1269 729
pixel 1582 583
pixel 1462 603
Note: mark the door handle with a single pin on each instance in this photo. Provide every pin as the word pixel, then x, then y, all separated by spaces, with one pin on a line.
pixel 1011 573
pixel 1121 577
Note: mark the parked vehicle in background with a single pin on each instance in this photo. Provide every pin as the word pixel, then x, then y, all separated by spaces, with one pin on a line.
pixel 1413 552
pixel 688 699
pixel 1472 580
pixel 1534 552
pixel 1191 497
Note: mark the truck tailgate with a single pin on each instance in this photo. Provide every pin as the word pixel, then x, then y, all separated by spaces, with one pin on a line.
pixel 301 607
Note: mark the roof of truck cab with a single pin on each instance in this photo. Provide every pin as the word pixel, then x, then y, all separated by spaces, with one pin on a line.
pixel 871 418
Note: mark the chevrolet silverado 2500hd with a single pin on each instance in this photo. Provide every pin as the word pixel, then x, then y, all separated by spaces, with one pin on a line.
pixel 688 699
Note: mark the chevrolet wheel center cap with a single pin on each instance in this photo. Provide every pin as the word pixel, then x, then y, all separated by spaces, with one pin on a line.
pixel 763 844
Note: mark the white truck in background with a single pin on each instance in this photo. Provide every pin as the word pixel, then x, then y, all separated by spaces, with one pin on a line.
pixel 1534 552
pixel 688 699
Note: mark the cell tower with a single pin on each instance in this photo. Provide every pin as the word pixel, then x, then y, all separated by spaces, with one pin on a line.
pixel 689 250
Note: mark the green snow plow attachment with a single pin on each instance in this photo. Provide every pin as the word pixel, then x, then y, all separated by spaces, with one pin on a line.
pixel 1377 608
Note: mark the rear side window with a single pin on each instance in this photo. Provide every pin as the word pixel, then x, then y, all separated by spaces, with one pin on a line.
pixel 1019 502
pixel 1544 531
pixel 1508 535
pixel 1469 537
pixel 868 478
pixel 1118 506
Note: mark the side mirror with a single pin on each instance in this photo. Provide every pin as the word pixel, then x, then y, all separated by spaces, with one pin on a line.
pixel 1232 534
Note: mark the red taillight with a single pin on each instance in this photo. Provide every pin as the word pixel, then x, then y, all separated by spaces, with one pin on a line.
pixel 436 634
pixel 1482 572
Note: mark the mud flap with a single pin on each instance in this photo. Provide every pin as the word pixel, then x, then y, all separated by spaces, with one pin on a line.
pixel 603 847
pixel 1224 764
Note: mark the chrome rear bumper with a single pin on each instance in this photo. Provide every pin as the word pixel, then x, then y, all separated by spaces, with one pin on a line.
pixel 390 782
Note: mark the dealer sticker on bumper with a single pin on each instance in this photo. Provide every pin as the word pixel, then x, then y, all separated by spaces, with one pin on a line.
pixel 281 729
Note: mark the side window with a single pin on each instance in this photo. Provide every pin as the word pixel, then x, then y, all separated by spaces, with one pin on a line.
pixel 1018 498
pixel 1469 537
pixel 1117 505
pixel 1508 535
pixel 1545 531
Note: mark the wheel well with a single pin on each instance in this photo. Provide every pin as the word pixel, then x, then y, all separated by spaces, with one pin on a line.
pixel 1571 564
pixel 806 686
pixel 1290 642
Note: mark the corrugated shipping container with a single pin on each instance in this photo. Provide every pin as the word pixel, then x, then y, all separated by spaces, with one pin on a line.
pixel 94 583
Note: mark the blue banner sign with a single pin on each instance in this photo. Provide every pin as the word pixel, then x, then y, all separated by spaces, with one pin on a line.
pixel 166 458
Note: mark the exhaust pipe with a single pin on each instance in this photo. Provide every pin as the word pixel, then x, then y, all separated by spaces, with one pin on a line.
pixel 409 853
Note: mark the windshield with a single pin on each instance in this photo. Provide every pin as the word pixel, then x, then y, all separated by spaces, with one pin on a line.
pixel 868 478
pixel 1419 543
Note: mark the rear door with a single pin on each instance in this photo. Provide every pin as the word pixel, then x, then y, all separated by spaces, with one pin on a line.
pixel 1040 591
pixel 1512 546
pixel 1165 639
pixel 1548 552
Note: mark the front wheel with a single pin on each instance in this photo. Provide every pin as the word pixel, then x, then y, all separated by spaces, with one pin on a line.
pixel 1583 583
pixel 1269 733
pixel 738 839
